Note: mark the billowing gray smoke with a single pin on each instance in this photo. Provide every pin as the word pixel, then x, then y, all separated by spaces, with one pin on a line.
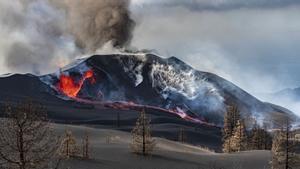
pixel 40 35
pixel 94 22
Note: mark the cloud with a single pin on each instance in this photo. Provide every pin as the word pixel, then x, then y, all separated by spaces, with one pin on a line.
pixel 253 47
pixel 33 35
pixel 251 43
pixel 216 5
pixel 38 36
pixel 94 23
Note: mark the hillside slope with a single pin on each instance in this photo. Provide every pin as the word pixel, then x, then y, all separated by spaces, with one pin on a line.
pixel 168 83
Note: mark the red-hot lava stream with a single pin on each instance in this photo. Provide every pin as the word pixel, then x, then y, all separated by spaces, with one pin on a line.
pixel 68 86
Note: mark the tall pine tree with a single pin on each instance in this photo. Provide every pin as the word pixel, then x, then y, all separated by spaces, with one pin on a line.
pixel 278 153
pixel 230 121
pixel 86 146
pixel 284 149
pixel 69 147
pixel 260 139
pixel 142 142
pixel 239 137
pixel 255 139
pixel 182 136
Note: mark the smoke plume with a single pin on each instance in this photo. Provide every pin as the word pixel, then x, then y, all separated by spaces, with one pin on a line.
pixel 40 35
pixel 94 23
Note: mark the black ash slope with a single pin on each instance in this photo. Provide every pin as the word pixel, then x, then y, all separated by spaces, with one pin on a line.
pixel 143 79
pixel 151 80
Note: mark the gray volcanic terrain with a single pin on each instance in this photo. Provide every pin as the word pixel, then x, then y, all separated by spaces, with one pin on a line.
pixel 94 90
pixel 167 154
pixel 168 83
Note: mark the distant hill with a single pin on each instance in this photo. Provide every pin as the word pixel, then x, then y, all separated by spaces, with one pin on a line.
pixel 292 93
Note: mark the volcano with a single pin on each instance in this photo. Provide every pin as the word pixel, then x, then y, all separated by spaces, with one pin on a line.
pixel 142 80
pixel 94 90
pixel 170 84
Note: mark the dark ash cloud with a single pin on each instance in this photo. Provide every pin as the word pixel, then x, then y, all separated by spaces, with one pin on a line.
pixel 94 23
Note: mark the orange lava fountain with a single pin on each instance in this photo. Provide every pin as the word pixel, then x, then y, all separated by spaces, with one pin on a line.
pixel 69 87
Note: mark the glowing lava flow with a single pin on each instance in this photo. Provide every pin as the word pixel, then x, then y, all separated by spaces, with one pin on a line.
pixel 123 105
pixel 138 107
pixel 70 87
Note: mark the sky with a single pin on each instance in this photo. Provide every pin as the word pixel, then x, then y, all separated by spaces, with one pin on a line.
pixel 253 43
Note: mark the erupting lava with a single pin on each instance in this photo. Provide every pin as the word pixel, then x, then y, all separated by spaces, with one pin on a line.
pixel 70 87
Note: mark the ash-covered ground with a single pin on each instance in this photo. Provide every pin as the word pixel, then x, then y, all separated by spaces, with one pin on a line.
pixel 167 154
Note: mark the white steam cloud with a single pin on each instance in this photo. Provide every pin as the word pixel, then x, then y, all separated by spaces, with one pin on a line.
pixel 186 83
pixel 33 33
pixel 252 44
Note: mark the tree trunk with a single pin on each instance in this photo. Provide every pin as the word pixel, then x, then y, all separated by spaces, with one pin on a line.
pixel 118 119
pixel 240 141
pixel 144 144
pixel 21 150
pixel 68 153
pixel 287 146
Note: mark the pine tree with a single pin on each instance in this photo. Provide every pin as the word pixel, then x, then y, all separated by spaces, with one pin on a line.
pixel 260 138
pixel 235 115
pixel 255 138
pixel 118 119
pixel 266 140
pixel 86 146
pixel 283 150
pixel 239 138
pixel 230 120
pixel 181 136
pixel 278 150
pixel 227 147
pixel 227 132
pixel 69 146
pixel 142 142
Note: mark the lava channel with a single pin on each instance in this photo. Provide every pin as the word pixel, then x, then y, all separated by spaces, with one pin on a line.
pixel 68 86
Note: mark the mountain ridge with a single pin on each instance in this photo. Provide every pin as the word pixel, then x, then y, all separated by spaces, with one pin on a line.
pixel 147 79
pixel 169 82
